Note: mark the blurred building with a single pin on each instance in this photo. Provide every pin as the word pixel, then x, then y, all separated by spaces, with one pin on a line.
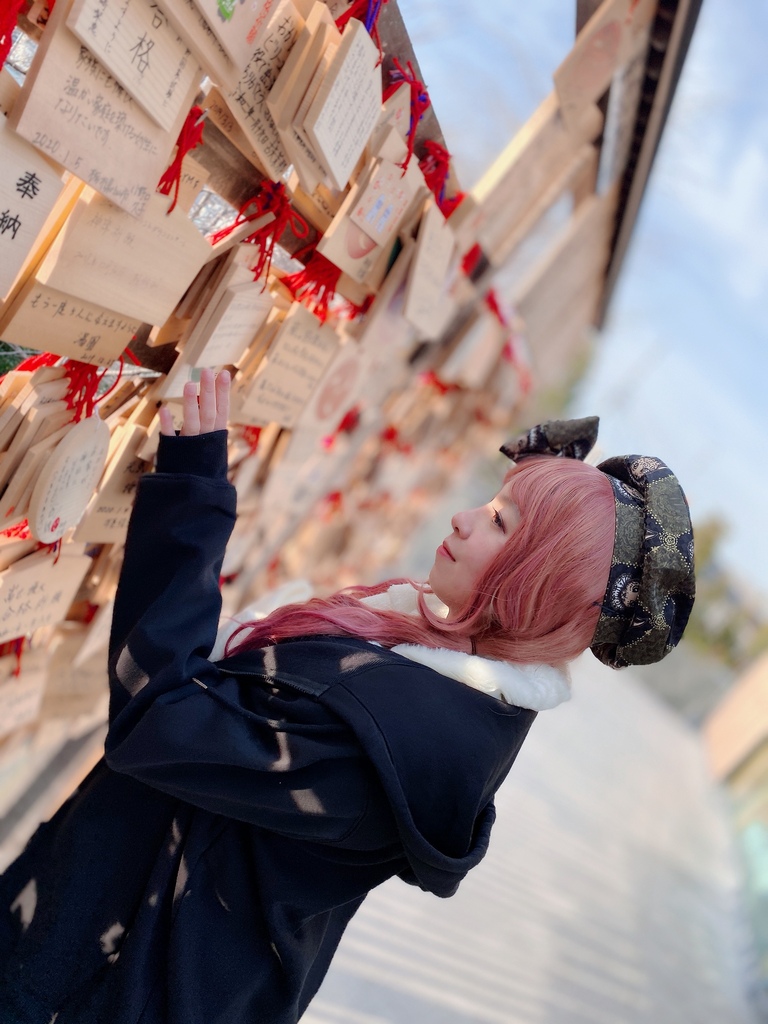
pixel 736 735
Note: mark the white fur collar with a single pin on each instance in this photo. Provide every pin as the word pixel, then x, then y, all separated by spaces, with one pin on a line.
pixel 538 687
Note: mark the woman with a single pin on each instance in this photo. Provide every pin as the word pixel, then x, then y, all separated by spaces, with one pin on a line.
pixel 207 867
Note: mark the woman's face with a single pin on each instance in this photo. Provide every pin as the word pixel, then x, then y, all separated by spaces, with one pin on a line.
pixel 478 536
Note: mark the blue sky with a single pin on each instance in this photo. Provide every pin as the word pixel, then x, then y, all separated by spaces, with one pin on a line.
pixel 682 365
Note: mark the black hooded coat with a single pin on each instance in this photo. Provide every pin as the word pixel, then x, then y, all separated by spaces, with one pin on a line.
pixel 205 870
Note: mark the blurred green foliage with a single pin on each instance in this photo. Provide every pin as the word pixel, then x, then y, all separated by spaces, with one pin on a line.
pixel 727 623
pixel 11 356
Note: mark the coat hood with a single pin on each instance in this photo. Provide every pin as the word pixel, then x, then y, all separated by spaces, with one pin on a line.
pixel 439 749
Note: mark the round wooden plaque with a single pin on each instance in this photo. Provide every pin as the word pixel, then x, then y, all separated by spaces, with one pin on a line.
pixel 68 479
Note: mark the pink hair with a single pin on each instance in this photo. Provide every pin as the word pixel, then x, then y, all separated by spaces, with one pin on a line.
pixel 538 601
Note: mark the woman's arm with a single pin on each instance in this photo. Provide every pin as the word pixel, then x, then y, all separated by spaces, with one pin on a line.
pixel 178 724
pixel 168 602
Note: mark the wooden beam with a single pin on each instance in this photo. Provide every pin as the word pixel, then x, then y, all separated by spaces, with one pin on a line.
pixel 601 47
pixel 682 29
pixel 577 176
pixel 583 242
pixel 527 167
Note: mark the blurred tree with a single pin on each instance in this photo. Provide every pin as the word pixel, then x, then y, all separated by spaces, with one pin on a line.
pixel 726 623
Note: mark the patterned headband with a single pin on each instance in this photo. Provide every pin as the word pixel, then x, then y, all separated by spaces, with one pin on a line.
pixel 651 584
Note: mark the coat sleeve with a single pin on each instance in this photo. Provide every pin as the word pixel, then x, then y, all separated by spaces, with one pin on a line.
pixel 178 723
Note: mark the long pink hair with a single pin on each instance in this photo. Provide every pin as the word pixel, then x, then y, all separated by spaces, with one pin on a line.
pixel 538 600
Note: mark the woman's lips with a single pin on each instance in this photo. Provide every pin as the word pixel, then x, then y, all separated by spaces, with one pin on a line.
pixel 443 550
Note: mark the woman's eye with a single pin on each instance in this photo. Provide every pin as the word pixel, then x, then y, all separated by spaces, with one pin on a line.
pixel 497 520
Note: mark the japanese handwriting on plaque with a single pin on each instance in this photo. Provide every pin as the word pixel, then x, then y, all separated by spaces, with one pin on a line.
pixel 248 102
pixel 140 267
pixel 37 591
pixel 107 515
pixel 68 479
pixel 238 32
pixel 347 106
pixel 289 373
pixel 29 188
pixel 189 22
pixel 66 325
pixel 28 185
pixel 135 42
pixel 74 109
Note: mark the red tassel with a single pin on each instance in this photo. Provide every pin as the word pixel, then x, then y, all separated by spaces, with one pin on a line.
pixel 84 380
pixel 509 352
pixel 420 102
pixel 16 648
pixel 9 13
pixel 431 379
pixel 471 260
pixel 436 168
pixel 190 136
pixel 333 503
pixel 18 532
pixel 270 198
pixel 315 285
pixel 390 438
pixel 348 424
pixel 251 437
pixel 368 12
pixel 492 302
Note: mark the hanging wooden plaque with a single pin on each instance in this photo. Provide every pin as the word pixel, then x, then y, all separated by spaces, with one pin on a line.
pixel 347 106
pixel 134 42
pixel 138 266
pixel 68 479
pixel 38 590
pixel 289 372
pixel 29 188
pixel 49 320
pixel 77 113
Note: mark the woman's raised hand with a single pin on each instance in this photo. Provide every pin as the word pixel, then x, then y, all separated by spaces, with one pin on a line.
pixel 209 412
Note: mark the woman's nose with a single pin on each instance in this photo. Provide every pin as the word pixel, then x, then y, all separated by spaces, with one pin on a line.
pixel 461 523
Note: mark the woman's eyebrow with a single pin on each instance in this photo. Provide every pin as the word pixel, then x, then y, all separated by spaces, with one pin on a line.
pixel 505 494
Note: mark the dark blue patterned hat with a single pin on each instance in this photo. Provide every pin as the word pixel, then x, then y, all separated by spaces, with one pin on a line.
pixel 651 585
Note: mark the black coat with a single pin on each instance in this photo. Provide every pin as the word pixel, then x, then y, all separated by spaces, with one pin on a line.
pixel 205 870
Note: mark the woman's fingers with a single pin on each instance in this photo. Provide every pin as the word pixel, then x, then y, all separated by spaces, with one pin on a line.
pixel 222 400
pixel 208 412
pixel 166 421
pixel 191 413
pixel 207 404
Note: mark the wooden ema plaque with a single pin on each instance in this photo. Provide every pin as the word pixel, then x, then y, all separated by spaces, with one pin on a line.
pixel 77 113
pixel 237 25
pixel 189 22
pixel 348 105
pixel 68 479
pixel 67 326
pixel 38 590
pixel 106 518
pixel 289 373
pixel 427 304
pixel 248 101
pixel 134 41
pixel 29 187
pixel 140 267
